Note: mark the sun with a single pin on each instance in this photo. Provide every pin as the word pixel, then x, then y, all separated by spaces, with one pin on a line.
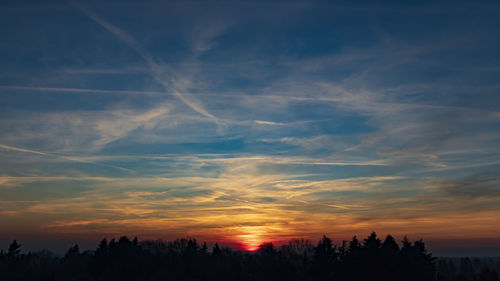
pixel 249 242
pixel 251 237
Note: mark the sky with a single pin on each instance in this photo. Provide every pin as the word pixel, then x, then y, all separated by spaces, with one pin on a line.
pixel 241 122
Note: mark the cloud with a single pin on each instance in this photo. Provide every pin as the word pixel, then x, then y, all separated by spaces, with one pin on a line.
pixel 122 122
pixel 80 90
pixel 13 148
pixel 156 70
pixel 271 123
pixel 68 158
pixel 10 181
pixel 91 130
pixel 472 187
pixel 385 132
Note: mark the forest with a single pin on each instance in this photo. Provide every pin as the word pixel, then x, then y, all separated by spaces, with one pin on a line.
pixel 186 259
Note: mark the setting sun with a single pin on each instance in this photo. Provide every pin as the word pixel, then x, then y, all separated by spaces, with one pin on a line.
pixel 249 242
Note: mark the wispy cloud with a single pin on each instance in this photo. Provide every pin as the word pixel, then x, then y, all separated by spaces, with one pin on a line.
pixel 121 123
pixel 63 157
pixel 156 70
pixel 13 148
pixel 261 122
pixel 80 90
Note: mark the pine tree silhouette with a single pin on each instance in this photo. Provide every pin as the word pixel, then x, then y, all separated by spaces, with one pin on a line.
pixel 14 249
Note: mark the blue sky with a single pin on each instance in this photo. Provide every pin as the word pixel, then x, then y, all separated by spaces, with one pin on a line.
pixel 245 122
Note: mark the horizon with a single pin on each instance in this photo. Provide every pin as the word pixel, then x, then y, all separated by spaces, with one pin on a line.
pixel 243 123
pixel 60 247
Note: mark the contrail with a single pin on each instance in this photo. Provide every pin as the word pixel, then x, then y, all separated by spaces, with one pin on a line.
pixel 155 69
pixel 13 148
pixel 78 90
pixel 20 149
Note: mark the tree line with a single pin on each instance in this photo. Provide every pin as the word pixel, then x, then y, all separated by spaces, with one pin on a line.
pixel 186 259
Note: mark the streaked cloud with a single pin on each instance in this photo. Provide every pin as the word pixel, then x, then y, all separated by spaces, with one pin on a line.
pixel 261 122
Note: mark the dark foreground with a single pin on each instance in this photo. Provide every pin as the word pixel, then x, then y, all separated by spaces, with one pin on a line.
pixel 185 259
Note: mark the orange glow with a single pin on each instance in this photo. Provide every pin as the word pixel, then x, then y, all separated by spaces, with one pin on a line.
pixel 249 242
pixel 251 237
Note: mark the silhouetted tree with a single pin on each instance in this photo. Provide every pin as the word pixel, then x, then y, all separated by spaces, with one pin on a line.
pixel 390 245
pixel 204 249
pixel 73 251
pixel 112 244
pixel 216 250
pixel 267 249
pixel 102 248
pixel 183 259
pixel 14 249
pixel 372 243
pixel 325 249
pixel 418 264
pixel 354 245
pixel 406 244
pixel 324 258
pixel 191 247
pixel 389 260
pixel 372 259
pixel 343 249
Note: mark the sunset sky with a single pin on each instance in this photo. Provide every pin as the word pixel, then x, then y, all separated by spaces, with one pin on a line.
pixel 241 122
